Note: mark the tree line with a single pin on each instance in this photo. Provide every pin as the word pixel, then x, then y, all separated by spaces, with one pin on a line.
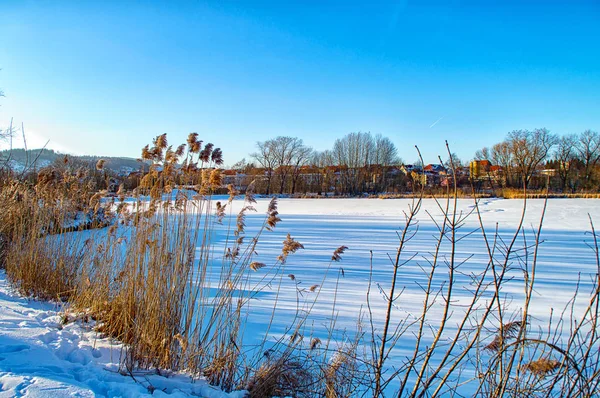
pixel 358 162
pixel 361 162
pixel 570 162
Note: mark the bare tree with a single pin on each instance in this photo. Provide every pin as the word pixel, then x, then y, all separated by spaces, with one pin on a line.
pixel 290 154
pixel 564 156
pixel 385 155
pixel 353 154
pixel 266 157
pixel 483 154
pixel 301 158
pixel 529 149
pixel 284 148
pixel 323 161
pixel 240 165
pixel 587 146
pixel 282 157
pixel 453 161
pixel 502 156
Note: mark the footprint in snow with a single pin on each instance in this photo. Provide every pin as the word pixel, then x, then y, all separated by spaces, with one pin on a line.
pixel 21 387
pixel 49 337
pixel 10 349
pixel 96 353
pixel 45 316
pixel 70 336
pixel 9 325
pixel 77 356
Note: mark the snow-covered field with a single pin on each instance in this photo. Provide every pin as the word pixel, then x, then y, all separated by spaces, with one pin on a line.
pixel 41 357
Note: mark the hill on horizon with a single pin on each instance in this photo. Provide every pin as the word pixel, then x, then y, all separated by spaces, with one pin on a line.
pixel 18 159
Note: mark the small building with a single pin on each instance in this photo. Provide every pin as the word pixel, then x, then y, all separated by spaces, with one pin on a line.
pixel 435 169
pixel 479 168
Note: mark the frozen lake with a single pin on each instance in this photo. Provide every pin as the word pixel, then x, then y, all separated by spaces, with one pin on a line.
pixel 370 229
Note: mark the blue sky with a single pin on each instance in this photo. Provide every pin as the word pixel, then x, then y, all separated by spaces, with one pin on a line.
pixel 105 77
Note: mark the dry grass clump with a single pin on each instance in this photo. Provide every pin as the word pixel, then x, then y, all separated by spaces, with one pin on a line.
pixel 337 254
pixel 40 258
pixel 282 376
pixel 290 246
pixel 342 375
pixel 508 331
pixel 151 283
pixel 3 250
pixel 542 366
pixel 511 193
pixel 46 269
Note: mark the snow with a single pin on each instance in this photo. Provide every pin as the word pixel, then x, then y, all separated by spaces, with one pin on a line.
pixel 371 226
pixel 44 358
pixel 41 357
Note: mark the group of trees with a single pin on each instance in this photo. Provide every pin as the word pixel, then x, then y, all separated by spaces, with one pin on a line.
pixel 576 160
pixel 282 158
pixel 571 161
pixel 358 162
pixel 363 162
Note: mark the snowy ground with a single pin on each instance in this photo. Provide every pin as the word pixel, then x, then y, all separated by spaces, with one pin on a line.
pixel 41 358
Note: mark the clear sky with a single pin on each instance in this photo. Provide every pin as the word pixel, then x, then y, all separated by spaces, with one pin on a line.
pixel 104 77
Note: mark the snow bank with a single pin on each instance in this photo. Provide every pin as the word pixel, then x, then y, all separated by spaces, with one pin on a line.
pixel 40 357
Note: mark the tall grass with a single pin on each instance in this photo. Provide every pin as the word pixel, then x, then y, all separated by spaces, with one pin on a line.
pixel 511 193
pixel 39 257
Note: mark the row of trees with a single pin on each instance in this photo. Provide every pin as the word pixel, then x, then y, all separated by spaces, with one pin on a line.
pixel 576 160
pixel 572 160
pixel 361 162
pixel 358 162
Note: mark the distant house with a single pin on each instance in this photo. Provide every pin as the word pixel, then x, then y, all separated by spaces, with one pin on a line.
pixel 435 168
pixel 229 176
pixel 479 168
pixel 409 168
pixel 496 169
pixel 548 172
pixel 310 174
pixel 420 178
pixel 236 178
